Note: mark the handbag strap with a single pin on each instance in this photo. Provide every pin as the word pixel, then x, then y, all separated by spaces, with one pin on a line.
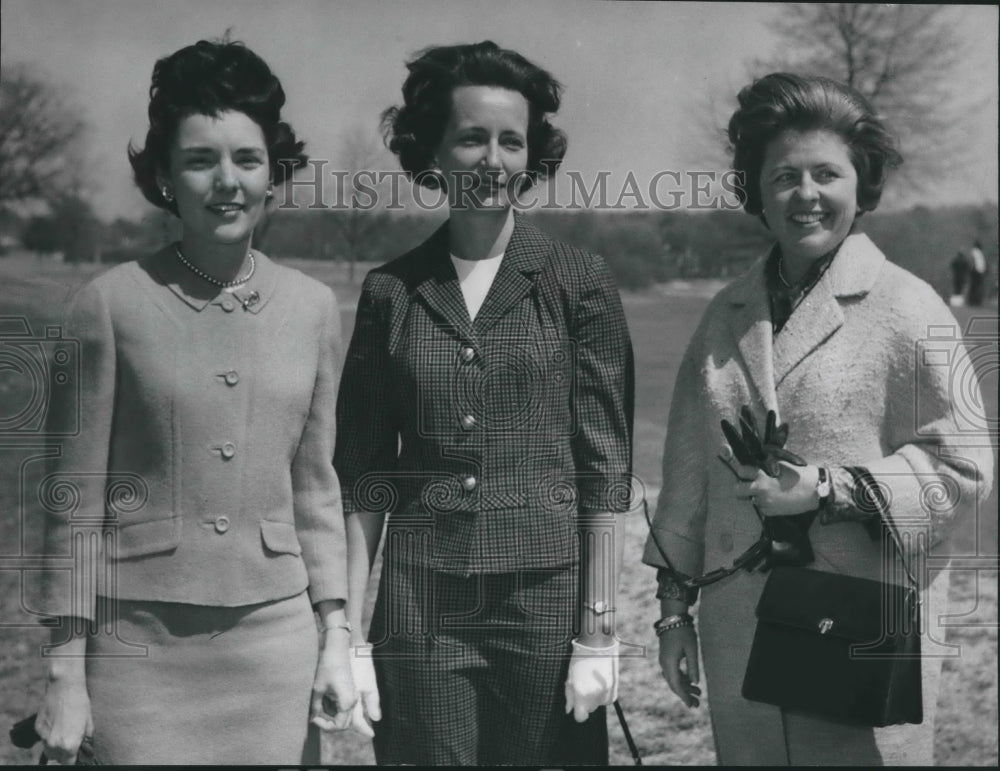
pixel 749 556
pixel 869 497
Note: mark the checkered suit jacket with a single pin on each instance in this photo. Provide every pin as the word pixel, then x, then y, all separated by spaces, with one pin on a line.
pixel 484 439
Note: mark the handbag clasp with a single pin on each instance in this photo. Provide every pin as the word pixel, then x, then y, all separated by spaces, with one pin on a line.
pixel 825 625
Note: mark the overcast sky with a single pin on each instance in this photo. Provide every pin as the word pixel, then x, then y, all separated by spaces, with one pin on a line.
pixel 637 75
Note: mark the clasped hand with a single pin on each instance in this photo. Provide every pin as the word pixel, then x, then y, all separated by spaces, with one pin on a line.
pixel 345 692
pixel 792 492
pixel 777 481
pixel 592 679
pixel 64 718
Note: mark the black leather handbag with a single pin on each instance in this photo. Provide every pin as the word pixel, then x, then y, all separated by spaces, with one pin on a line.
pixel 841 647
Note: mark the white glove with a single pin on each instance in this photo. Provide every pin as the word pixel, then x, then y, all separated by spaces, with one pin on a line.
pixel 363 672
pixel 592 679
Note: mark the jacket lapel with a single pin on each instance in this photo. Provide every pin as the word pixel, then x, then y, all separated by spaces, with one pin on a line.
pixel 437 282
pixel 523 259
pixel 853 272
pixel 750 326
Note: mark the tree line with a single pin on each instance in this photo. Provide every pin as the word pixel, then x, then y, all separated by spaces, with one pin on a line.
pixel 901 57
pixel 642 248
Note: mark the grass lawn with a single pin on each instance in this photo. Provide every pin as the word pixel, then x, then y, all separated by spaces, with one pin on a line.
pixel 661 322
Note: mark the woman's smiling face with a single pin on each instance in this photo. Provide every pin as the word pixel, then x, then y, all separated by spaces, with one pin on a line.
pixel 219 174
pixel 809 191
pixel 485 146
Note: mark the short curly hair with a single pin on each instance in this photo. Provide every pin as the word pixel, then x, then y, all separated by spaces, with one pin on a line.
pixel 413 131
pixel 208 78
pixel 784 101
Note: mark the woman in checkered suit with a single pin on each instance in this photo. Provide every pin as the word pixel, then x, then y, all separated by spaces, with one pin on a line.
pixel 485 407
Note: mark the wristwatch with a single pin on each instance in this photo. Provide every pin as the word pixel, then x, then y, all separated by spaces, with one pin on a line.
pixel 599 608
pixel 823 488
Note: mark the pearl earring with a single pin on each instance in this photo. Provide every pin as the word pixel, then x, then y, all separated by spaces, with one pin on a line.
pixel 167 195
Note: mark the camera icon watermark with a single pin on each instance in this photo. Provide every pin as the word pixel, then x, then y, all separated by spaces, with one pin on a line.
pixel 36 372
pixel 939 358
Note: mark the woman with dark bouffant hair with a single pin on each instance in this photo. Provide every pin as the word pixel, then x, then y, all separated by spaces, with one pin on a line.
pixel 486 407
pixel 186 628
pixel 825 332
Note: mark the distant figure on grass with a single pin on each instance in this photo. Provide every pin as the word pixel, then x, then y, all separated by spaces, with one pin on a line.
pixel 486 407
pixel 208 387
pixel 826 332
pixel 977 274
pixel 959 279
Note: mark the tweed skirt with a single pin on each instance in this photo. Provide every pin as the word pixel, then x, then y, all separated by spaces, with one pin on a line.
pixel 471 669
pixel 190 684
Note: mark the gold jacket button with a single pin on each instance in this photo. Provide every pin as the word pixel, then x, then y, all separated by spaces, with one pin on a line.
pixel 468 354
pixel 228 306
pixel 221 524
pixel 228 450
pixel 232 377
pixel 468 421
pixel 469 483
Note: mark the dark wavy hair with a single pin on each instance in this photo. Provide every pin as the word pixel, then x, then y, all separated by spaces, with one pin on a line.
pixel 414 130
pixel 208 78
pixel 783 101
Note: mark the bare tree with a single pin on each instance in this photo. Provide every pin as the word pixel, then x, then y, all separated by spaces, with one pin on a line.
pixel 902 58
pixel 37 131
pixel 361 154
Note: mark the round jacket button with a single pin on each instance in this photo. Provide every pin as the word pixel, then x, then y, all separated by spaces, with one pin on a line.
pixel 232 377
pixel 221 524
pixel 469 483
pixel 228 450
pixel 468 421
pixel 468 354
pixel 228 305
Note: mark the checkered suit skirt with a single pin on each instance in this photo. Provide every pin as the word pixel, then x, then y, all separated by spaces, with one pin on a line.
pixel 471 669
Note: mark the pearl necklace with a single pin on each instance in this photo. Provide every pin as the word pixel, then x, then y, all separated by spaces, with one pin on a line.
pixel 202 274
pixel 781 275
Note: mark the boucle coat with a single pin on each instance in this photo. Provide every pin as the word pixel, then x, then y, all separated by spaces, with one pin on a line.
pixel 849 374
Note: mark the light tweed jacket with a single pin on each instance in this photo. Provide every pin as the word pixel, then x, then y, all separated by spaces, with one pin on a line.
pixel 851 374
pixel 202 468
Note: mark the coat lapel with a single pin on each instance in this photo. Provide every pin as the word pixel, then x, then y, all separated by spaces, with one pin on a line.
pixel 852 273
pixel 750 325
pixel 523 259
pixel 437 282
pixel 816 318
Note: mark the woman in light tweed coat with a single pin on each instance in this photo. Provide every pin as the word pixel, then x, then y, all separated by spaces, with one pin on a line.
pixel 829 334
pixel 202 461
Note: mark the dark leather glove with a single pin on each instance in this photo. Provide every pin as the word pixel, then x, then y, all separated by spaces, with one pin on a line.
pixel 790 544
pixel 752 449
pixel 789 535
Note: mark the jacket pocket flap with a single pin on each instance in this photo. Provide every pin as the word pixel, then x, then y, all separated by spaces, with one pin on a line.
pixel 137 539
pixel 280 537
